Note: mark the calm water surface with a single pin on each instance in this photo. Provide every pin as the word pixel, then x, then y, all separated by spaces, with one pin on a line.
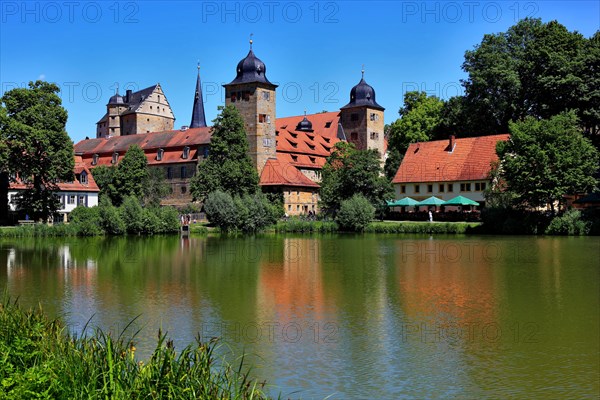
pixel 347 316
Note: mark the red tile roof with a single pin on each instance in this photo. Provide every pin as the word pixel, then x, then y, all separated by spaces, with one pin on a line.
pixel 281 173
pixel 75 186
pixel 152 140
pixel 307 149
pixel 433 162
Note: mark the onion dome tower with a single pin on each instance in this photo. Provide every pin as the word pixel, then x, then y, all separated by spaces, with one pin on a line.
pixel 254 96
pixel 362 118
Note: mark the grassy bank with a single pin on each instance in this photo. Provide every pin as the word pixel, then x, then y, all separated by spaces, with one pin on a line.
pixel 39 359
pixel 301 226
pixel 420 227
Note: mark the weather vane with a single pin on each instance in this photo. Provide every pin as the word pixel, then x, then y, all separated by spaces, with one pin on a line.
pixel 363 70
pixel 252 34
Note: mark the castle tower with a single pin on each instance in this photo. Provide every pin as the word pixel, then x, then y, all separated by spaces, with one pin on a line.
pixel 254 96
pixel 362 118
pixel 198 118
pixel 115 107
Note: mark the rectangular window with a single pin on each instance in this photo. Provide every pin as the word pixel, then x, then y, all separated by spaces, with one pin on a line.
pixel 183 172
pixel 354 117
pixel 374 135
pixel 483 185
pixel 266 96
pixel 417 188
pixel 465 187
pixel 441 188
pixel 186 152
pixel 403 189
pixel 71 199
pixel 81 201
pixel 83 178
pixel 429 188
pixel 451 187
pixel 169 173
pixel 374 117
pixel 267 142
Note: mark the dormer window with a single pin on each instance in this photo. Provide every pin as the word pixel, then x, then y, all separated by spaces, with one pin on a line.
pixel 311 137
pixel 95 159
pixel 186 152
pixel 313 160
pixel 83 178
pixel 115 157
pixel 312 147
pixel 294 158
pixel 294 135
pixel 159 154
pixel 328 124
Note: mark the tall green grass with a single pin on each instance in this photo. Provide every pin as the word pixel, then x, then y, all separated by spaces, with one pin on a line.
pixel 39 359
pixel 295 225
pixel 421 227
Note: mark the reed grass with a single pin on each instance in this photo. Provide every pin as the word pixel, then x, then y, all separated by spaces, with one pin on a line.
pixel 295 225
pixel 39 359
pixel 421 227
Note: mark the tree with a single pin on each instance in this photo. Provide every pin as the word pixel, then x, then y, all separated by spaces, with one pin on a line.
pixel 419 121
pixel 228 166
pixel 355 214
pixel 546 159
pixel 533 69
pixel 35 147
pixel 156 187
pixel 105 179
pixel 131 175
pixel 349 171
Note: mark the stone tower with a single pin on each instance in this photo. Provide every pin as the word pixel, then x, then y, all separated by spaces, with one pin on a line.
pixel 254 96
pixel 362 118
pixel 115 107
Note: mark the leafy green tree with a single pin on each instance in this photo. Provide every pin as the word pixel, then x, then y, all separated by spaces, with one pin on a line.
pixel 105 179
pixel 110 218
pixel 87 220
pixel 392 163
pixel 533 69
pixel 546 159
pixel 419 121
pixel 132 176
pixel 228 167
pixel 349 171
pixel 156 187
pixel 35 147
pixel 355 214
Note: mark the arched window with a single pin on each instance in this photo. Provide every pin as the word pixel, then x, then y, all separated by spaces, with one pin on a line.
pixel 186 152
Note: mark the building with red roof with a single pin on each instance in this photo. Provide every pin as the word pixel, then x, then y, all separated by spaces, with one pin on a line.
pixel 447 168
pixel 81 191
pixel 288 152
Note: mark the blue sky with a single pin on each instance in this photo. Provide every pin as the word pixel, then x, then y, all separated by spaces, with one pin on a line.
pixel 313 50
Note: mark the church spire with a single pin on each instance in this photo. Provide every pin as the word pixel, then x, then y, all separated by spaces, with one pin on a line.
pixel 198 118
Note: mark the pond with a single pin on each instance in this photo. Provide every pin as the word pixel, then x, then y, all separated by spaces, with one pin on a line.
pixel 352 316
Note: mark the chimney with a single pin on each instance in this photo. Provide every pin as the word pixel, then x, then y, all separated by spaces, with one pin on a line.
pixel 127 95
pixel 451 143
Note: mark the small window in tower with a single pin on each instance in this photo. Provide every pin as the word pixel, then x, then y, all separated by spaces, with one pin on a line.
pixel 266 96
pixel 267 142
pixel 115 157
pixel 151 107
pixel 374 135
pixel 354 117
pixel 374 117
pixel 186 152
pixel 262 118
pixel 233 97
pixel 246 95
pixel 159 99
pixel 159 154
pixel 268 119
pixel 112 117
pixel 354 136
pixel 147 119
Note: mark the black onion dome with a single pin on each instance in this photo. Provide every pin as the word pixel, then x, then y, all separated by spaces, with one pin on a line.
pixel 251 69
pixel 116 99
pixel 363 94
pixel 304 125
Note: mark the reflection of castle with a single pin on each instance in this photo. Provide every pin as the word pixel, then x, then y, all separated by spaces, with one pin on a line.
pixel 288 153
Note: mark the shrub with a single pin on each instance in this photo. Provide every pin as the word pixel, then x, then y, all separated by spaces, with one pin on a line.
pixel 355 214
pixel 110 218
pixel 168 218
pixel 132 213
pixel 570 223
pixel 86 221
pixel 258 213
pixel 221 210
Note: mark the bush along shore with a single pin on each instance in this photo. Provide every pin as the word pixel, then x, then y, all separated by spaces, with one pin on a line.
pixel 40 360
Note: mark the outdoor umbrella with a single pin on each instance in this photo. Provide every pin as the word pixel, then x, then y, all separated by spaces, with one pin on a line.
pixel 432 201
pixel 460 201
pixel 405 202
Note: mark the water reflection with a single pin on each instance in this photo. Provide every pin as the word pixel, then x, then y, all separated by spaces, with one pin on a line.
pixel 364 316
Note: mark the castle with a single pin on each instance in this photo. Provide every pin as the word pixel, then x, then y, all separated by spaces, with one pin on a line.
pixel 288 152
